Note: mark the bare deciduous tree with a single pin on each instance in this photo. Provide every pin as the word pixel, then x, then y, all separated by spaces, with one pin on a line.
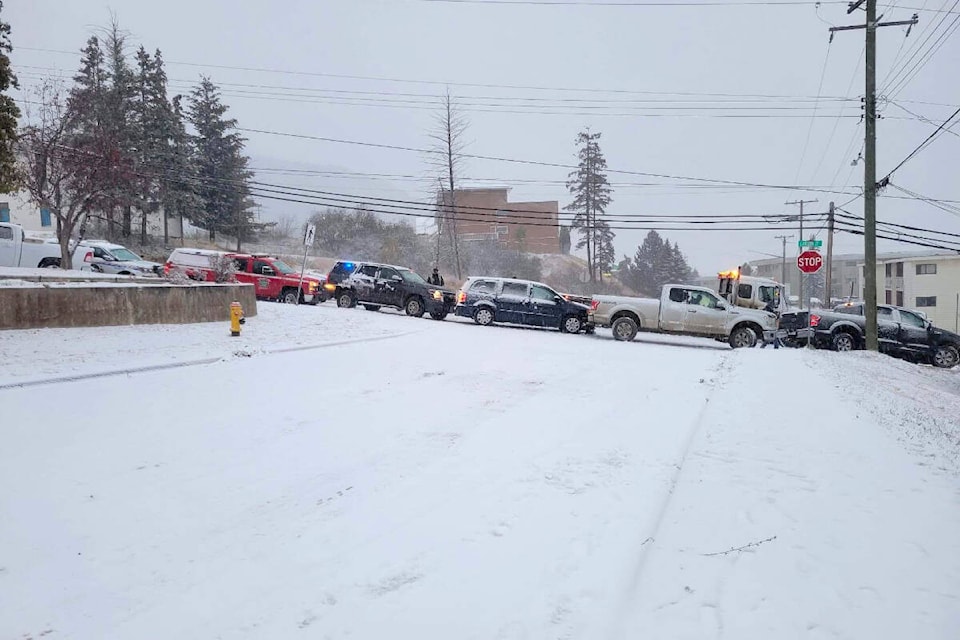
pixel 58 175
pixel 448 144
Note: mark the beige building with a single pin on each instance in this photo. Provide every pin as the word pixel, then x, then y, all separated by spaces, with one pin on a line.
pixel 484 214
pixel 927 283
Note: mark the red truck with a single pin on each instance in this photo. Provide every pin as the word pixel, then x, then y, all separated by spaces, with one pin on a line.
pixel 271 277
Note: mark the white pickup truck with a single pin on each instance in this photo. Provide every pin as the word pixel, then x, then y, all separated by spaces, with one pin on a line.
pixel 682 310
pixel 19 250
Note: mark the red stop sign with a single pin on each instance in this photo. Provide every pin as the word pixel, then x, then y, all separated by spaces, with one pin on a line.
pixel 809 261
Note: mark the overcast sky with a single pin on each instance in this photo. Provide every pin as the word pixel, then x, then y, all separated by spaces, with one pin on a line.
pixel 631 58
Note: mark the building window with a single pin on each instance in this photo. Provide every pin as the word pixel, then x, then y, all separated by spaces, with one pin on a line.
pixel 926 269
pixel 926 301
pixel 899 298
pixel 888 269
pixel 899 269
pixel 888 297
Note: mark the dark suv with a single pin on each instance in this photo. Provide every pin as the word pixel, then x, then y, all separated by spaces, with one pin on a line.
pixel 376 285
pixel 489 300
pixel 340 272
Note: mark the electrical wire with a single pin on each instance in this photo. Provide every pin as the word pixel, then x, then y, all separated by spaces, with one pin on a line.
pixel 920 147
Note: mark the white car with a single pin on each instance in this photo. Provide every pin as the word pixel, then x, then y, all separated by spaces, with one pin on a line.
pixel 115 258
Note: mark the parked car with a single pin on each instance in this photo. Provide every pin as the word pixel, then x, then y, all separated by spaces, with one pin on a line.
pixel 901 333
pixel 114 258
pixel 271 277
pixel 19 250
pixel 683 310
pixel 340 272
pixel 375 285
pixel 489 300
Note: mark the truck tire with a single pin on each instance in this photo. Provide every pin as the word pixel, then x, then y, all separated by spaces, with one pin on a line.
pixel 743 336
pixel 946 357
pixel 414 307
pixel 483 316
pixel 346 300
pixel 571 324
pixel 49 263
pixel 438 315
pixel 624 329
pixel 842 341
pixel 290 296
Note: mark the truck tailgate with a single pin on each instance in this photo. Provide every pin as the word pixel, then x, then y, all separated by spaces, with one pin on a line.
pixel 794 321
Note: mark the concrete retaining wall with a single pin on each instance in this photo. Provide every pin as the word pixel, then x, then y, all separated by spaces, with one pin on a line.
pixel 93 306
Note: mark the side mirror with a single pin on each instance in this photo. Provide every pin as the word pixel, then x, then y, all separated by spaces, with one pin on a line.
pixel 396 278
pixel 558 299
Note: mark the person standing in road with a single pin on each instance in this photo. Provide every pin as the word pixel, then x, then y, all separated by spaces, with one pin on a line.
pixel 435 278
pixel 777 342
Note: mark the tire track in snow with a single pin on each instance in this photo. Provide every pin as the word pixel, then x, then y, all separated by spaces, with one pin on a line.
pixel 649 538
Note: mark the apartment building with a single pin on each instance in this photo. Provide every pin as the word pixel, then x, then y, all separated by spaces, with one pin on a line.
pixel 487 214
pixel 929 283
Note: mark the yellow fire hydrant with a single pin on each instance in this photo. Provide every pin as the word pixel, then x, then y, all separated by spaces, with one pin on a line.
pixel 236 318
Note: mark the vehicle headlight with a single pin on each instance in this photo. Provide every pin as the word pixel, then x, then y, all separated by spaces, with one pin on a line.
pixel 438 295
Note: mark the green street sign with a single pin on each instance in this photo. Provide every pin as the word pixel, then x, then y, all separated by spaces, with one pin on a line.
pixel 816 244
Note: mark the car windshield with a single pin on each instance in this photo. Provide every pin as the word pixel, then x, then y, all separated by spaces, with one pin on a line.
pixel 282 267
pixel 124 254
pixel 411 276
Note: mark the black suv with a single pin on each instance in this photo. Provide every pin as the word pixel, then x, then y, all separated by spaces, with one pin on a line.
pixel 489 300
pixel 382 285
pixel 340 272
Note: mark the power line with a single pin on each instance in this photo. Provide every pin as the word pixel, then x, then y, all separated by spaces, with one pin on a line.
pixel 806 143
pixel 442 83
pixel 920 147
pixel 538 163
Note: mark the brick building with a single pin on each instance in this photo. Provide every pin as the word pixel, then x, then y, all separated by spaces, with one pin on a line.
pixel 488 214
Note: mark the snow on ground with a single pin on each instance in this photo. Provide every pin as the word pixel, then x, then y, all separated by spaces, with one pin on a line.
pixel 443 480
pixel 37 354
pixel 63 274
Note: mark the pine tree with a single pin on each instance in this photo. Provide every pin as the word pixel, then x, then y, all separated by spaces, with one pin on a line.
pixel 591 195
pixel 646 262
pixel 605 253
pixel 180 198
pixel 119 120
pixel 222 171
pixel 8 114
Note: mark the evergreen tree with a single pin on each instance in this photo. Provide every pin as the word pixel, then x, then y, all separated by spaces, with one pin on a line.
pixel 119 119
pixel 605 253
pixel 591 195
pixel 8 114
pixel 180 196
pixel 222 171
pixel 646 277
pixel 565 240
pixel 656 263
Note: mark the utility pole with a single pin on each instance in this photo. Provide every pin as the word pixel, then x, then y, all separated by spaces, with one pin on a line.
pixel 801 203
pixel 870 159
pixel 783 266
pixel 829 283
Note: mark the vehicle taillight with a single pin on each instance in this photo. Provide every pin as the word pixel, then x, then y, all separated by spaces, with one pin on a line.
pixel 594 304
pixel 88 257
pixel 814 320
pixel 461 297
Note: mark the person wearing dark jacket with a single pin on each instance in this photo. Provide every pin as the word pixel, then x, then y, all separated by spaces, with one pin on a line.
pixel 435 278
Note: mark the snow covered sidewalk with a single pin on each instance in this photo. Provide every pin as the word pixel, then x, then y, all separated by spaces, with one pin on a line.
pixel 465 482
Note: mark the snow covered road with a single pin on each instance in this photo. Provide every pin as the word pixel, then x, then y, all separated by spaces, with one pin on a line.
pixel 453 481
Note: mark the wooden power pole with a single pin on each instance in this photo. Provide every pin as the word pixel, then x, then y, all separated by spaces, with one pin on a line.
pixel 801 203
pixel 870 160
pixel 829 282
